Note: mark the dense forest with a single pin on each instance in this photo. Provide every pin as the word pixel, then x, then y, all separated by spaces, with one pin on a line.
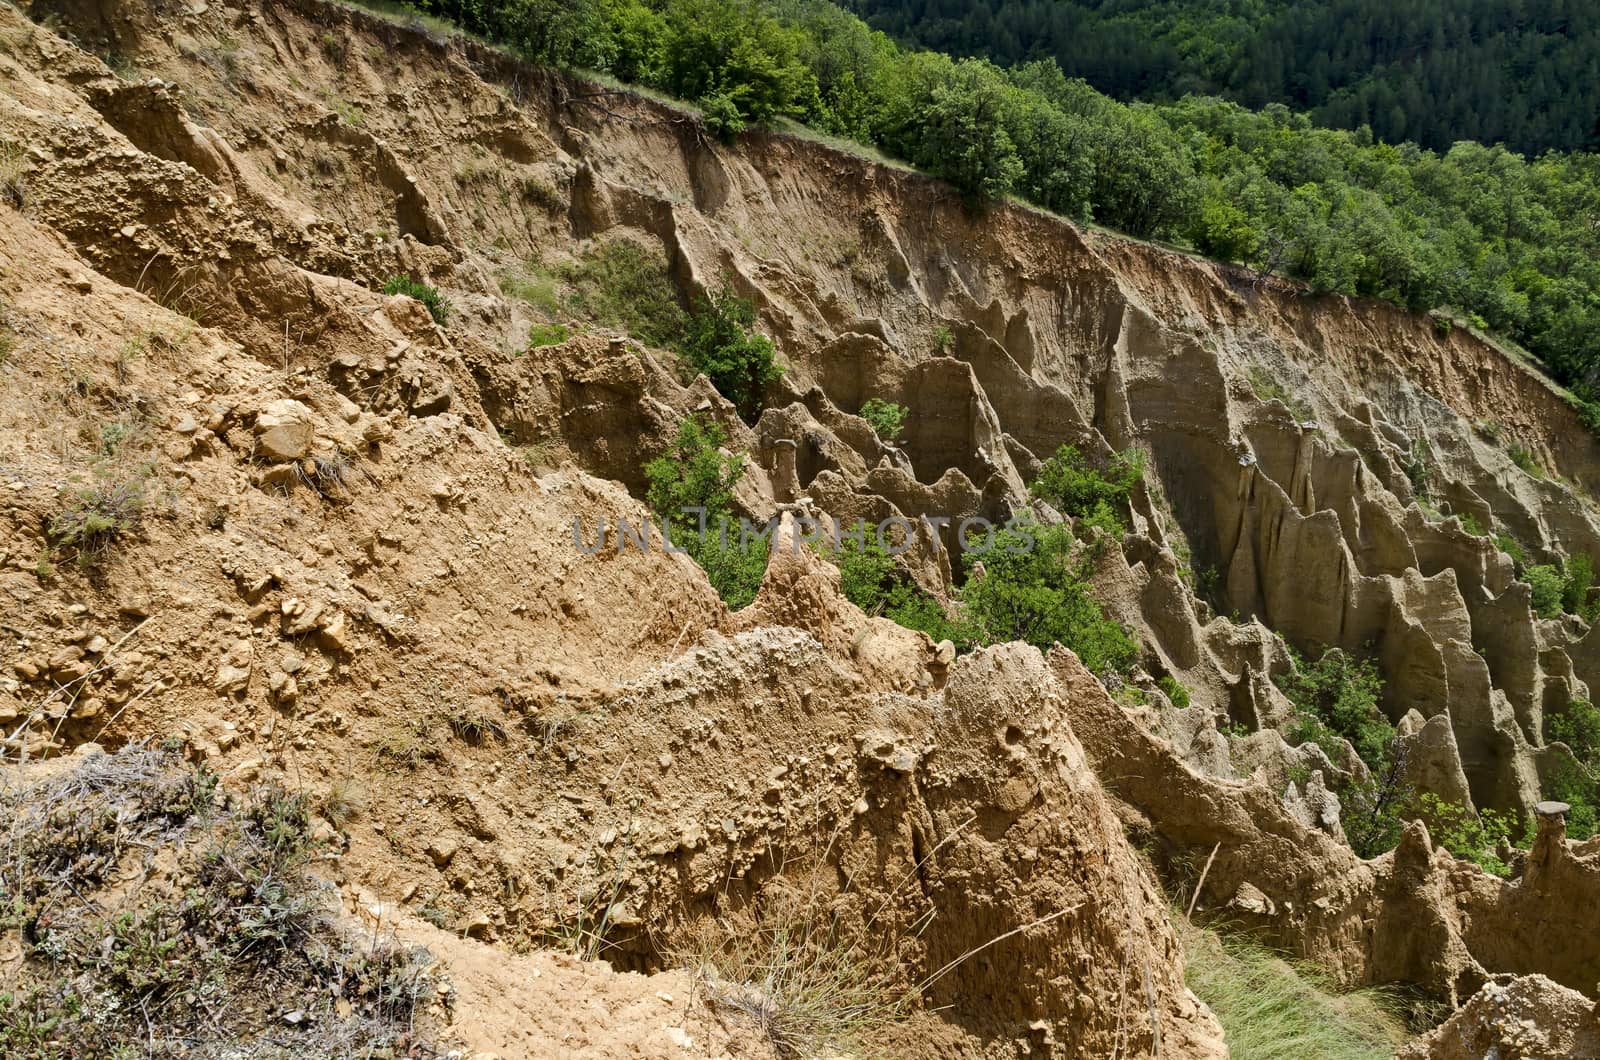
pixel 1510 244
pixel 1525 73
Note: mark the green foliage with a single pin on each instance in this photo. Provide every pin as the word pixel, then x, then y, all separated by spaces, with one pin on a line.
pixel 1562 587
pixel 1513 242
pixel 1474 837
pixel 1574 784
pixel 1271 1009
pixel 1174 690
pixel 114 951
pixel 1548 585
pixel 1098 495
pixel 1523 457
pixel 951 119
pixel 540 335
pixel 696 474
pixel 623 284
pixel 1470 525
pixel 1578 578
pixel 1374 811
pixel 871 580
pixel 94 518
pixel 438 306
pixel 1513 548
pixel 1338 696
pixel 1032 590
pixel 720 344
pixel 721 117
pixel 1433 72
pixel 887 418
pixel 734 567
pixel 1578 726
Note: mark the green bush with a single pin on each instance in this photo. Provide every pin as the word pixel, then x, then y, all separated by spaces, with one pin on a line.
pixel 887 418
pixel 1548 584
pixel 1474 837
pixel 438 307
pixel 1562 587
pixel 720 115
pixel 1578 578
pixel 1523 457
pixel 1374 811
pixel 1419 469
pixel 1579 728
pixel 1174 690
pixel 1513 548
pixel 695 474
pixel 1575 785
pixel 1070 483
pixel 719 344
pixel 622 284
pixel 1338 695
pixel 872 581
pixel 1032 590
pixel 540 335
pixel 96 517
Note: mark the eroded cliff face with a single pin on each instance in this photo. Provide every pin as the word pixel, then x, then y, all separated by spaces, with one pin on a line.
pixel 357 555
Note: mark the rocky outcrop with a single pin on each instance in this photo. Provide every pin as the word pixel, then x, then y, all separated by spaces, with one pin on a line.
pixel 1523 1018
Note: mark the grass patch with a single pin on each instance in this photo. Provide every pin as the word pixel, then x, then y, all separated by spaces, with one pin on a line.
pixel 93 519
pixel 438 305
pixel 1269 388
pixel 157 915
pixel 1272 1009
pixel 541 335
pixel 624 284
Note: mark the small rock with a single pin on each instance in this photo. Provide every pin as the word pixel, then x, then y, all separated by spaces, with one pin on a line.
pixel 442 849
pixel 284 431
pixel 476 926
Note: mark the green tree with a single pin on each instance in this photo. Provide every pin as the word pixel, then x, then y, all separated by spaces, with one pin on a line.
pixel 1074 486
pixel 720 344
pixel 950 119
pixel 1339 694
pixel 1547 584
pixel 691 491
pixel 1032 589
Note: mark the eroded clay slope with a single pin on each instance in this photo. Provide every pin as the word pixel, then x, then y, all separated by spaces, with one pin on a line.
pixel 346 567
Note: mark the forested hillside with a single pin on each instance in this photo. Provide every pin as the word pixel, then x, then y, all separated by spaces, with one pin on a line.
pixel 1526 74
pixel 1511 244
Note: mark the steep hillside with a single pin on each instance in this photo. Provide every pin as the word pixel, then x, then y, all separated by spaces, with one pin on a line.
pixel 301 530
